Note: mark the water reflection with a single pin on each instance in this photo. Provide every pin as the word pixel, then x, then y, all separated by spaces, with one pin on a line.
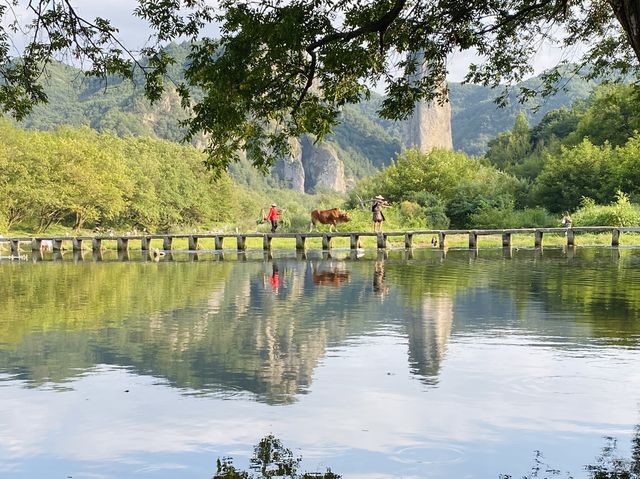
pixel 330 274
pixel 206 328
pixel 463 350
pixel 379 288
pixel 275 277
pixel 568 252
pixel 429 334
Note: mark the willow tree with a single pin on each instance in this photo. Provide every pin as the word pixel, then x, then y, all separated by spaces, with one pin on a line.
pixel 282 68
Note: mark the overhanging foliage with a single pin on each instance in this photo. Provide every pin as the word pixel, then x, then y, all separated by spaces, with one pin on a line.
pixel 285 68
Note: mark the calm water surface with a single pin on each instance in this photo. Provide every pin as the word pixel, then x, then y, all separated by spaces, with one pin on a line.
pixel 436 365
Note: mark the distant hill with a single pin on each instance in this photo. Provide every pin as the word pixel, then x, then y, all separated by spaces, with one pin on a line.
pixel 363 141
pixel 476 119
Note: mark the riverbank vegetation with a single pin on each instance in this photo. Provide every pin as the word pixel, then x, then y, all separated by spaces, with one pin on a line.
pixel 583 160
pixel 78 179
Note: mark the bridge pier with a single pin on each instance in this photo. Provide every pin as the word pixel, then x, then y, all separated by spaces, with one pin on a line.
pixel 193 243
pixel 326 242
pixel 571 240
pixel 36 244
pixel 266 242
pixel 122 244
pixel 615 237
pixel 408 240
pixel 76 244
pixel 442 239
pixel 506 240
pixel 473 240
pixel 167 242
pixel 15 247
pixel 381 239
pixel 96 244
pixel 241 243
pixel 144 243
pixel 537 239
pixel 300 243
pixel 217 241
pixel 354 242
pixel 57 245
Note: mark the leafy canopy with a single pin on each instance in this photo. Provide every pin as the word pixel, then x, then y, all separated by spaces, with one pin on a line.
pixel 284 68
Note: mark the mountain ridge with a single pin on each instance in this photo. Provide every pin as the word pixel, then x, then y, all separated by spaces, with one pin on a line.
pixel 362 141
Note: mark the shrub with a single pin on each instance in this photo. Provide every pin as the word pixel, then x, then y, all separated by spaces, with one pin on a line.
pixel 412 215
pixel 510 218
pixel 442 181
pixel 583 170
pixel 433 209
pixel 620 213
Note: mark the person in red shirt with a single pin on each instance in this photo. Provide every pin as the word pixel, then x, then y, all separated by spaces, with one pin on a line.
pixel 273 216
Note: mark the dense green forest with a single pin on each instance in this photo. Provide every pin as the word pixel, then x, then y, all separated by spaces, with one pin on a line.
pixel 112 169
pixel 79 178
pixel 363 140
pixel 584 159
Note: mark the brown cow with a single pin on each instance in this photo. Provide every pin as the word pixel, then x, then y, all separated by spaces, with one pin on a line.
pixel 328 217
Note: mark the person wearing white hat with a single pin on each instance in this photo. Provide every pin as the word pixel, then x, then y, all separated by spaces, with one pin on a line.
pixel 273 216
pixel 378 217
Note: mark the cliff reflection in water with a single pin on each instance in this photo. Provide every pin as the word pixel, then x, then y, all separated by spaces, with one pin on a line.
pixel 262 327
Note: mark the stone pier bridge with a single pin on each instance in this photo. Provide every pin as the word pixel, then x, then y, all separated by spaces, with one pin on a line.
pixel 58 243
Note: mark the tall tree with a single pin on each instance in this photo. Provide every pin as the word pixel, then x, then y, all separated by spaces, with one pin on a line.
pixel 283 68
pixel 510 148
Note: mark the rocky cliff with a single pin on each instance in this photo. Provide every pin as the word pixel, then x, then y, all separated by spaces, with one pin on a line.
pixel 430 125
pixel 323 169
pixel 311 168
pixel 290 170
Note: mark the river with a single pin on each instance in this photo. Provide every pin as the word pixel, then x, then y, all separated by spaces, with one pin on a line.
pixel 432 364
